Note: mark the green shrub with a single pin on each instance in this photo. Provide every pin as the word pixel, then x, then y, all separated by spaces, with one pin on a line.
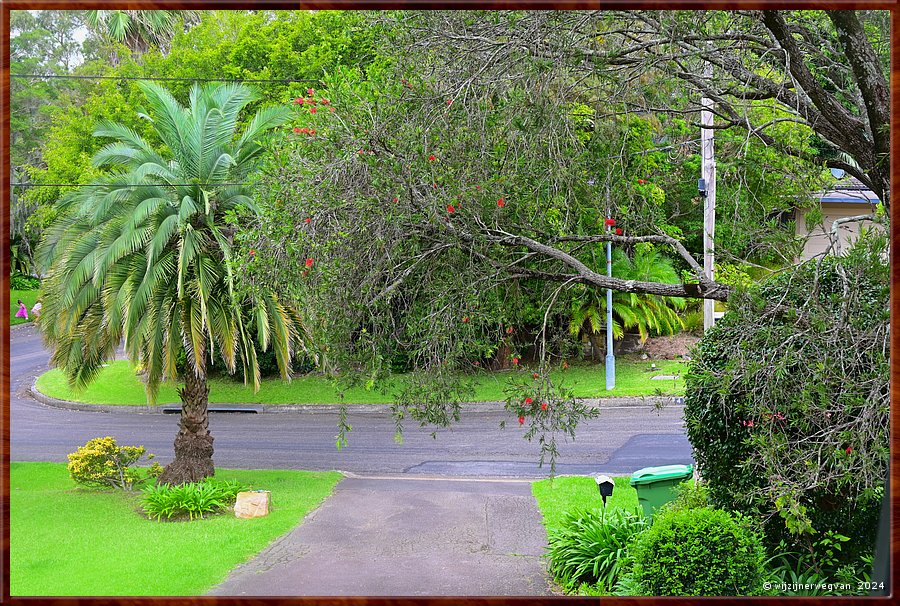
pixel 787 402
pixel 23 282
pixel 697 552
pixel 190 500
pixel 590 547
pixel 691 495
pixel 101 463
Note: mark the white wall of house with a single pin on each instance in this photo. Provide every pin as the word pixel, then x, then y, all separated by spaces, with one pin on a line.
pixel 818 241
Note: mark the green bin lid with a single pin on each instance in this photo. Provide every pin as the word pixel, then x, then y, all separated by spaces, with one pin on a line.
pixel 648 475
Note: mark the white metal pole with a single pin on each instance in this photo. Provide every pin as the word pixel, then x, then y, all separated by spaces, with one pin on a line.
pixel 610 357
pixel 708 173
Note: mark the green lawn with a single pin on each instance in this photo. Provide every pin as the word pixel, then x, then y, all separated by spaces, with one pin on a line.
pixel 66 540
pixel 29 297
pixel 119 385
pixel 558 496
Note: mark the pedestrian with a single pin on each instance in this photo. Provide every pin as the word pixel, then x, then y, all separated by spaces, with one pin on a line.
pixel 36 310
pixel 23 311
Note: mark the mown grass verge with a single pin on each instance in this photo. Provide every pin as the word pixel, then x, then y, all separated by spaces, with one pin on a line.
pixel 119 385
pixel 71 541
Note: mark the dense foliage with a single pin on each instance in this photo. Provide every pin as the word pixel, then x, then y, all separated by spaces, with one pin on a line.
pixel 697 552
pixel 787 401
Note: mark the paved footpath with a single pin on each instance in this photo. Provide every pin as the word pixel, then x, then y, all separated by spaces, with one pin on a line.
pixel 406 537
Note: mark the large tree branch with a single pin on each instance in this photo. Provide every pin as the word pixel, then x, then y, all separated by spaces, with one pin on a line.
pixel 585 275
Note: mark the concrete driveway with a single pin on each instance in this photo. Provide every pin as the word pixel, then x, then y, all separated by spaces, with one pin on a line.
pixel 407 537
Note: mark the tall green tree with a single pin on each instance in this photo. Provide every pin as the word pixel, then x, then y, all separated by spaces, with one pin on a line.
pixel 144 255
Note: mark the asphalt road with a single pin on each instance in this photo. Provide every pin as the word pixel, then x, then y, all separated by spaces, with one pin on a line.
pixel 620 441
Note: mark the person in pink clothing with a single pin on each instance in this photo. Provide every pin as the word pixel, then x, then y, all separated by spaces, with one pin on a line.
pixel 23 311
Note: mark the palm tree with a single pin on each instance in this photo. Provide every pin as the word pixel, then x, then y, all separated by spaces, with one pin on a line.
pixel 647 313
pixel 138 30
pixel 143 255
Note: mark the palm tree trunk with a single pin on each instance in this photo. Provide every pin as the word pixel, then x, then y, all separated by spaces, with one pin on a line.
pixel 193 444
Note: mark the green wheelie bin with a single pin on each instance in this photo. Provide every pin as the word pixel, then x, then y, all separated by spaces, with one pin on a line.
pixel 656 485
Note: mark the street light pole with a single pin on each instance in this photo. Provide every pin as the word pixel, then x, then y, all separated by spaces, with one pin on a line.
pixel 708 175
pixel 610 358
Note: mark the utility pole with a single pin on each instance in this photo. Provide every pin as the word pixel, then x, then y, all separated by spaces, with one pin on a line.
pixel 708 191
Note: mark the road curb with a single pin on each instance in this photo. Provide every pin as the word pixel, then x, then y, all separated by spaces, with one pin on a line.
pixel 473 407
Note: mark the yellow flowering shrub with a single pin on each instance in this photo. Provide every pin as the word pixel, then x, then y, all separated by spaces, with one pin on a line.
pixel 102 463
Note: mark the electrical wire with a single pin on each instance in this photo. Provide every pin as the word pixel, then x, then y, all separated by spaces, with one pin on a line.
pixel 159 79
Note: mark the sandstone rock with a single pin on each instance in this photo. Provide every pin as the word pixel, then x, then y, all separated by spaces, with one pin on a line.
pixel 254 504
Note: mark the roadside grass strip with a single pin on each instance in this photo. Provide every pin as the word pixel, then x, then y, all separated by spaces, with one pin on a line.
pixel 119 385
pixel 558 496
pixel 71 541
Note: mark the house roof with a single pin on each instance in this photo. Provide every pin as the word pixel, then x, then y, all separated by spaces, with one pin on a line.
pixel 849 191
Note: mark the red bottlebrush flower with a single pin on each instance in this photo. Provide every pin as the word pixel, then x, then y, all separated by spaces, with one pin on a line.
pixel 323 101
pixel 534 375
pixel 307 220
pixel 528 401
pixel 521 420
pixel 544 406
pixel 748 423
pixel 449 101
pixel 434 185
pixel 501 202
pixel 610 222
pixel 305 272
pixel 451 208
pixel 641 181
pixel 331 109
pixel 312 110
pixel 431 158
pixel 618 231
pixel 516 361
pixel 466 319
pixel 361 152
pixel 478 187
pixel 298 101
pixel 849 449
pixel 309 262
pixel 310 91
pixel 298 130
pixel 509 330
pixel 252 252
pixel 396 200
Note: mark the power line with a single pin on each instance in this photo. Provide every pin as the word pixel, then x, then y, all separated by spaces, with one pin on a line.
pixel 161 79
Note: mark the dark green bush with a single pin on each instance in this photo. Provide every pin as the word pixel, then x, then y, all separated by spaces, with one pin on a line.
pixel 787 402
pixel 697 552
pixel 590 547
pixel 23 282
pixel 190 500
